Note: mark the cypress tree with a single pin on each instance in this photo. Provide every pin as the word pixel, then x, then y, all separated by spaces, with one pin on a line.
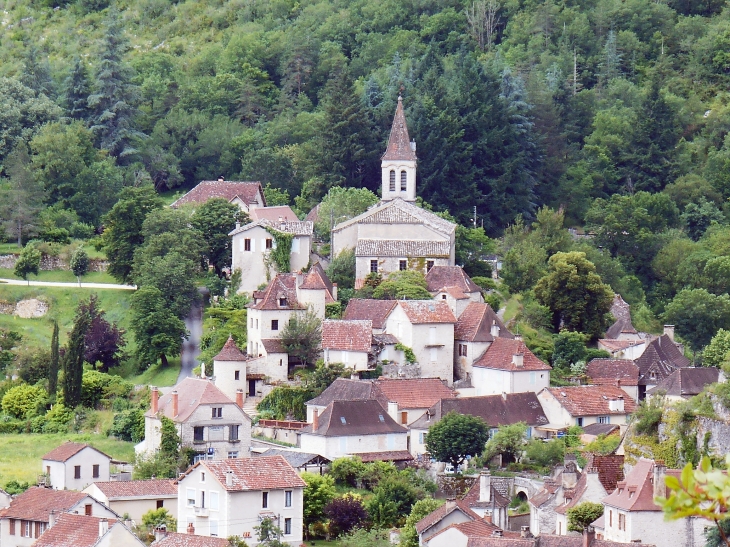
pixel 73 360
pixel 53 369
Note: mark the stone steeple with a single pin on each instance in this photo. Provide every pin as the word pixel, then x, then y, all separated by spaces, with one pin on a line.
pixel 398 163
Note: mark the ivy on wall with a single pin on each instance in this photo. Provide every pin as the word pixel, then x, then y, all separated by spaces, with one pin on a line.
pixel 280 254
pixel 408 352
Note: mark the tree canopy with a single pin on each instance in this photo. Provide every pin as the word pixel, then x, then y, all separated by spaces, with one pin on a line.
pixel 455 437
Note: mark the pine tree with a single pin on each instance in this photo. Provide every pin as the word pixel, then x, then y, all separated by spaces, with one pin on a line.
pixel 77 90
pixel 115 96
pixel 73 359
pixel 21 199
pixel 37 72
pixel 611 64
pixel 53 368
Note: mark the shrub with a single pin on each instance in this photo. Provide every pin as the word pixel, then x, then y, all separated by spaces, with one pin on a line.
pixel 23 401
pixel 347 471
pixel 128 425
pixel 97 387
pixel 345 514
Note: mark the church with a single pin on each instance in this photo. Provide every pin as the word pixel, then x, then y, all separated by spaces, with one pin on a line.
pixel 395 234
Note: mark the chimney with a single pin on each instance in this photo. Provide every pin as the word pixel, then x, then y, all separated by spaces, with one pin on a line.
pixel 495 330
pixel 103 527
pixel 155 400
pixel 354 376
pixel 229 478
pixel 617 404
pixel 315 420
pixel 669 331
pixel 202 370
pixel 525 532
pixel 570 475
pixel 334 291
pixel 160 532
pixel 660 487
pixel 239 398
pixel 174 403
pixel 238 224
pixel 485 486
pixel 191 529
pixel 518 359
pixel 589 534
pixel 413 145
pixel 220 178
pixel 488 518
pixel 393 410
pixel 518 337
pixel 497 534
pixel 51 518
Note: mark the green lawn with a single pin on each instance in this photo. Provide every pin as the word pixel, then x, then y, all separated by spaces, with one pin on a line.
pixel 62 276
pixel 156 375
pixel 512 308
pixel 62 303
pixel 20 455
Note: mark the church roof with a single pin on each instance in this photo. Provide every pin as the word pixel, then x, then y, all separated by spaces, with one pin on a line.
pixel 402 248
pixel 398 211
pixel 399 143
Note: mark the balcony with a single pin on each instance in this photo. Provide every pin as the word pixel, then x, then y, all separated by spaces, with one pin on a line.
pixel 201 512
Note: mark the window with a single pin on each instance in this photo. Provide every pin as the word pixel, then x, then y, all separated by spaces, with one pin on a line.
pixel 610 518
pixel 95 471
pixel 443 297
pixel 12 527
pixel 392 180
pixel 274 324
pixel 264 499
pixel 213 528
pixel 533 378
pixel 287 527
pixel 403 181
pixel 621 521
pixel 26 528
pixel 269 243
pixel 257 323
pixel 391 441
pixel 233 455
pixel 41 528
pixel 202 477
pixel 422 438
pixel 160 504
pixel 462 350
pixel 579 421
pixel 217 411
pixel 202 498
pixel 434 355
pixel 190 496
pixel 237 375
pixel 403 265
pixel 233 433
pixel 247 245
pixel 373 266
pixel 404 417
pixel 214 501
pixel 287 498
pixel 282 302
pixel 77 471
pixel 429 265
pixel 604 419
pixel 198 434
pixel 432 335
pixel 87 509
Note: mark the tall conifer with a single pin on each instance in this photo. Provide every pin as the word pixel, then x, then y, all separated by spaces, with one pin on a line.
pixel 53 368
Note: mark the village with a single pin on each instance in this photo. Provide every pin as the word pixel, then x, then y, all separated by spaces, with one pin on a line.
pixel 409 363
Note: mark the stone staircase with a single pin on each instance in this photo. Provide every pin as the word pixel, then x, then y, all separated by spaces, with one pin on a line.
pixel 249 406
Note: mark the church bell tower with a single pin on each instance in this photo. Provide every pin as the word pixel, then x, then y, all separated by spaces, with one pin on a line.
pixel 398 164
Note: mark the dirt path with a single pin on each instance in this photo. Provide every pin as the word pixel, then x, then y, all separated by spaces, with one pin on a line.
pixel 191 345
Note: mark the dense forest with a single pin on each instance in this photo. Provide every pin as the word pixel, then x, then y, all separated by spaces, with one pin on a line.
pixel 612 113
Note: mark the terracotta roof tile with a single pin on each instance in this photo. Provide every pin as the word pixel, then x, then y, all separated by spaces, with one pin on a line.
pixel 392 456
pixel 36 503
pixel 411 392
pixel 363 417
pixel 610 469
pixel 261 473
pixel 437 515
pixel 274 214
pixel 140 488
pixel 68 449
pixel 81 531
pixel 500 355
pixel 509 541
pixel 376 311
pixel 191 393
pixel 402 248
pixel 317 278
pixel 611 371
pixel 346 335
pixel 475 324
pixel 687 382
pixel 441 277
pixel 591 400
pixel 230 352
pixel 399 143
pixel 344 389
pixel 427 311
pixel 283 288
pixel 173 539
pixel 636 493
pixel 273 345
pixel 228 190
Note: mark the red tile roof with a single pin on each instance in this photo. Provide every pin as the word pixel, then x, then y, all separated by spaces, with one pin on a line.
pixel 412 392
pixel 191 393
pixel 283 286
pixel 138 489
pixel 610 469
pixel 437 515
pixel 80 531
pixel 475 324
pixel 67 450
pixel 347 418
pixel 36 503
pixel 591 400
pixel 347 335
pixel 500 355
pixel 272 345
pixel 230 352
pixel 275 213
pixel 427 311
pixel 376 311
pixel 399 143
pixel 262 473
pixel 636 493
pixel 190 540
pixel 442 277
pixel 228 190
pixel 660 358
pixel 611 371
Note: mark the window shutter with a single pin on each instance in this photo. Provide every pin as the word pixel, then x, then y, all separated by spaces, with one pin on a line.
pixel 12 527
pixel 37 530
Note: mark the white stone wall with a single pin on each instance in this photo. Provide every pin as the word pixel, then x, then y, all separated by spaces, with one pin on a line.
pixel 390 264
pixel 218 439
pixel 62 473
pixel 313 299
pixel 474 350
pixel 449 538
pixel 224 373
pixel 409 167
pixel 489 381
pixel 356 360
pixel 338 447
pixel 259 327
pixel 650 527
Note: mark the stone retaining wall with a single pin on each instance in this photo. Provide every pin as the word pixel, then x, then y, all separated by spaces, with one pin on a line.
pixel 49 263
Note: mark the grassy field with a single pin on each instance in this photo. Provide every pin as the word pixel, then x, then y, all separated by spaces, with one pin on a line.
pixel 156 375
pixel 20 455
pixel 62 276
pixel 62 307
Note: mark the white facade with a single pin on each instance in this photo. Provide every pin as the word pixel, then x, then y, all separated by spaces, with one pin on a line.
pixel 135 506
pixel 348 445
pixel 489 381
pixel 356 360
pixel 76 473
pixel 558 415
pixel 398 179
pixel 650 527
pixel 229 377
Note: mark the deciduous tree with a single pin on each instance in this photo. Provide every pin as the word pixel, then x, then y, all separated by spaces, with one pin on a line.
pixel 301 337
pixel 457 436
pixel 28 262
pixel 320 490
pixel 214 219
pixel 157 330
pixel 582 515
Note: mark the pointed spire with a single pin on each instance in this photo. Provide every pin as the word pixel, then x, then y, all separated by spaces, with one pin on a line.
pixel 399 143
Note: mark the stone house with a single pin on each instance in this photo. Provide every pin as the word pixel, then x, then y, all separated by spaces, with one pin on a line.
pixel 450 513
pixel 584 405
pixel 622 373
pixel 630 514
pixel 73 466
pixel 163 538
pixel 487 502
pixel 246 195
pixel 508 366
pixel 466 534
pixel 495 410
pixel 660 359
pixel 476 328
pixel 135 498
pixel 454 286
pixel 427 327
pixel 407 399
pixel 275 213
pixel 685 383
pixel 395 234
pixel 87 531
pixel 229 372
pixel 347 342
pixel 342 389
pixel 215 426
pixel 252 246
pixel 359 427
pixel 31 513
pixel 366 309
pixel 230 497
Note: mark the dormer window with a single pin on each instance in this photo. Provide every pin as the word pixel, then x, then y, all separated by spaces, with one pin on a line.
pixel 403 181
pixel 392 180
pixel 342 419
pixel 282 302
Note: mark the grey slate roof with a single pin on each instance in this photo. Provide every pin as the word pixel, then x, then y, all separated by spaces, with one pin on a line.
pixel 687 382
pixel 402 248
pixel 343 389
pixel 661 357
pixel 295 459
pixel 347 418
